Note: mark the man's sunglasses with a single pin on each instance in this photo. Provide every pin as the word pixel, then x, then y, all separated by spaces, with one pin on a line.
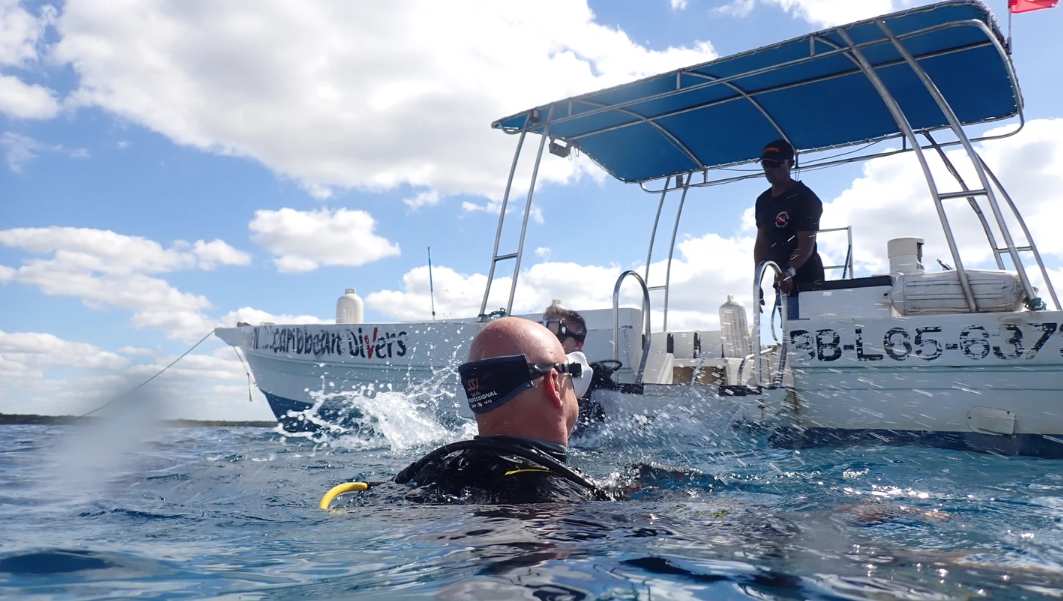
pixel 558 327
pixel 538 370
pixel 771 163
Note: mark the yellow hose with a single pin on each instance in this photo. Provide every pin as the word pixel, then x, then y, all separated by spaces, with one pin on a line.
pixel 340 489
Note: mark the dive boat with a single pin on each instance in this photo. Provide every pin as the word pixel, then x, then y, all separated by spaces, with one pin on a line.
pixel 964 358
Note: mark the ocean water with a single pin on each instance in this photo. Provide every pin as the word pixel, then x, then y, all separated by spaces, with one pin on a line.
pixel 128 509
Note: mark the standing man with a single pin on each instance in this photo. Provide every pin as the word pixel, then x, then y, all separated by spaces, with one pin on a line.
pixel 787 221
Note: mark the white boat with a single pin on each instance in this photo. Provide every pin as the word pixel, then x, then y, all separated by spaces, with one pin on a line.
pixel 963 358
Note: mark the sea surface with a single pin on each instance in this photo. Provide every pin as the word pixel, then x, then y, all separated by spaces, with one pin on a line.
pixel 124 508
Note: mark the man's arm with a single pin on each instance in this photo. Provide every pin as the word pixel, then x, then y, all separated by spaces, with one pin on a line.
pixel 760 249
pixel 806 243
pixel 807 225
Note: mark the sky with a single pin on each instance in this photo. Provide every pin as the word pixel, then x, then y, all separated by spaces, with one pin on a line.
pixel 170 167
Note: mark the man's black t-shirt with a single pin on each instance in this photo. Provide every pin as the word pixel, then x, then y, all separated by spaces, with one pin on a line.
pixel 781 217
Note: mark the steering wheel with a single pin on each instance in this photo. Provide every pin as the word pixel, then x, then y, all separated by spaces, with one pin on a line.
pixel 610 365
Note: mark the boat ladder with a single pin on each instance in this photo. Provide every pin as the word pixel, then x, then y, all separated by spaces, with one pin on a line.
pixel 518 254
pixel 972 199
pixel 684 183
pixel 646 330
pixel 856 55
pixel 758 355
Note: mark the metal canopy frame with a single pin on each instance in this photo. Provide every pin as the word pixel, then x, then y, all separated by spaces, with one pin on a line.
pixel 854 52
pixel 946 20
pixel 750 96
pixel 517 255
pixel 666 287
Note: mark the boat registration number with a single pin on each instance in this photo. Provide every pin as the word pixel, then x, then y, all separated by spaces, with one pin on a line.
pixel 927 343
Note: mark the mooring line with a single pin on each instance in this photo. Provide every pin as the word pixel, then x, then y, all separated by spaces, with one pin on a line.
pixel 247 372
pixel 146 382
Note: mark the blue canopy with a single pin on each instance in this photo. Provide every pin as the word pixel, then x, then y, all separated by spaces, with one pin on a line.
pixel 808 89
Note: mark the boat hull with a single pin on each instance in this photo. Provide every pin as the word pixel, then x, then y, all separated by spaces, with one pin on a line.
pixel 308 372
pixel 991 381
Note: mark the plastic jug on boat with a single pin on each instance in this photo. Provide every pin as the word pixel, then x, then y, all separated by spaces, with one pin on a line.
pixel 350 308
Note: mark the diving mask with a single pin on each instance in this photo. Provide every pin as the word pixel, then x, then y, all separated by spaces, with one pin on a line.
pixel 490 383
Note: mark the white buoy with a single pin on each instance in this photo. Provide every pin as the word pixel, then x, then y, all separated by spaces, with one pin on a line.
pixel 350 308
pixel 734 329
pixel 905 255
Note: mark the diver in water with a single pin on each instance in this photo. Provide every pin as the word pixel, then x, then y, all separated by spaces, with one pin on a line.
pixel 571 330
pixel 522 389
pixel 568 325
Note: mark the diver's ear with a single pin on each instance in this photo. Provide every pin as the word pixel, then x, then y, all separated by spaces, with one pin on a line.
pixel 554 383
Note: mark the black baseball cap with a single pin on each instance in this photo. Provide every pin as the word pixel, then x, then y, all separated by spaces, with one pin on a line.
pixel 779 150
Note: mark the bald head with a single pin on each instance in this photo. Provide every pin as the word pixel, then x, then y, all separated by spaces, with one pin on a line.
pixel 548 410
pixel 516 336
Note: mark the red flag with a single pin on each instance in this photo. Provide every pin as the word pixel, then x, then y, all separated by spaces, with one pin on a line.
pixel 1025 6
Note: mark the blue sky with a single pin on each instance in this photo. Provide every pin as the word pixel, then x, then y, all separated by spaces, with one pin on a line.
pixel 168 167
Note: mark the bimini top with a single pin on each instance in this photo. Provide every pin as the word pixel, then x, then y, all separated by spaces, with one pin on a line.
pixel 809 90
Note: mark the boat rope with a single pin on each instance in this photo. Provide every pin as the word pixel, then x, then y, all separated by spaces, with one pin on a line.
pixel 247 372
pixel 148 381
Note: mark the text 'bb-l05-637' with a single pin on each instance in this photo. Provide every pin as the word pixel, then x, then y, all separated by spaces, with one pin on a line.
pixel 352 342
pixel 1009 341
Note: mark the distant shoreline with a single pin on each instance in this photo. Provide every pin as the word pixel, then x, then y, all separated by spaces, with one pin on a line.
pixel 7 419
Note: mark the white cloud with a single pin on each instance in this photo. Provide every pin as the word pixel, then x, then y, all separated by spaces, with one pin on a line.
pixel 306 240
pixel 698 286
pixel 736 8
pixel 341 94
pixel 98 250
pixel 30 352
pixel 35 377
pixel 19 150
pixel 542 252
pixel 474 207
pixel 217 252
pixel 820 13
pixel 6 274
pixel 154 301
pixel 492 207
pixel 456 295
pixel 422 199
pixel 257 316
pixel 678 5
pixel 107 269
pixel 1030 165
pixel 1038 282
pixel 136 350
pixel 826 13
pixel 20 32
pixel 110 252
pixel 26 101
pixel 891 200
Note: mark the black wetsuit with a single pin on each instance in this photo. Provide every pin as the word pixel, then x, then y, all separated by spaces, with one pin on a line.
pixel 781 218
pixel 497 469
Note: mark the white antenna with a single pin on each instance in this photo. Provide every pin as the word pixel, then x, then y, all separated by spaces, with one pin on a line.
pixel 431 286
